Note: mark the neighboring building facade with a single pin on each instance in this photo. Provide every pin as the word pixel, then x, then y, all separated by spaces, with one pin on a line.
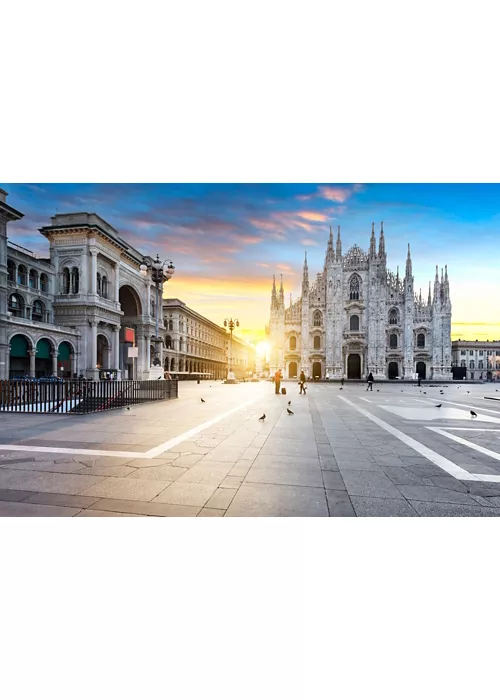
pixel 193 343
pixel 358 317
pixel 480 359
pixel 67 313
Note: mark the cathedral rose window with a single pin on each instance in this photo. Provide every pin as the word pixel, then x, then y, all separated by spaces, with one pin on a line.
pixel 354 287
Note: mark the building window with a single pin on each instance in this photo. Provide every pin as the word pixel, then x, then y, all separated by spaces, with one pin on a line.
pixel 75 280
pixel 16 305
pixel 481 353
pixel 471 352
pixel 462 352
pixel 354 287
pixel 170 325
pixel 420 340
pixel 354 323
pixel 480 364
pixel 152 307
pixel 168 342
pixel 489 352
pixel 317 342
pixel 472 375
pixel 317 318
pixel 293 343
pixel 104 287
pixel 98 284
pixel 393 340
pixel 44 283
pixel 393 317
pixel 11 271
pixel 66 281
pixel 463 363
pixel 33 279
pixel 38 311
pixel 22 275
pixel 471 364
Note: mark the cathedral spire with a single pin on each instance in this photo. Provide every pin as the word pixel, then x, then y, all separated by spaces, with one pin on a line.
pixel 373 243
pixel 330 253
pixel 436 286
pixel 408 273
pixel 282 293
pixel 339 245
pixel 305 275
pixel 330 240
pixel 429 299
pixel 381 245
pixel 274 297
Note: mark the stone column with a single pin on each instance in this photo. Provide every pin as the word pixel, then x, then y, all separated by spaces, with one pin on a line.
pixel 116 347
pixel 93 350
pixel 32 354
pixel 117 282
pixel 148 352
pixel 72 364
pixel 93 273
pixel 54 363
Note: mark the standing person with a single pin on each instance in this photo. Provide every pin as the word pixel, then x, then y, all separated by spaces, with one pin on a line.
pixel 419 379
pixel 370 382
pixel 342 381
pixel 302 383
pixel 277 381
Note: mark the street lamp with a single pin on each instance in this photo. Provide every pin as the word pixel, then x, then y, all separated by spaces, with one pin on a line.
pixel 160 272
pixel 231 324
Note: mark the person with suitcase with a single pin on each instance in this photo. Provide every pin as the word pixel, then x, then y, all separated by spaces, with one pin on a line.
pixel 277 381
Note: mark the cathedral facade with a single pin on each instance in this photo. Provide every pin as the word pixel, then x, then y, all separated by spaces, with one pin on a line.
pixel 358 317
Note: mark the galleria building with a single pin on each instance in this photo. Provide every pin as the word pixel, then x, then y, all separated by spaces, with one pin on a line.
pixel 358 317
pixel 84 306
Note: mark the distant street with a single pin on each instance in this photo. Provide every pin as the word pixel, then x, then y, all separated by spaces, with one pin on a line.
pixel 343 452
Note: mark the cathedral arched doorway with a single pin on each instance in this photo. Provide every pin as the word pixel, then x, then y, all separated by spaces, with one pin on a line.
pixel 489 376
pixel 393 370
pixel 421 369
pixel 292 370
pixel 354 366
pixel 316 370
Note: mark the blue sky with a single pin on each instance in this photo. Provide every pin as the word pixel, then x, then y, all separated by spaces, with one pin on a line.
pixel 227 240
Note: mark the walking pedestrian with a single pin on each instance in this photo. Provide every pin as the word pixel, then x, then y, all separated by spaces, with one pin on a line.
pixel 302 383
pixel 277 381
pixel 342 381
pixel 370 382
pixel 419 379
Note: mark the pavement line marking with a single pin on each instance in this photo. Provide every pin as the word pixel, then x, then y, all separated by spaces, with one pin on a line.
pixel 70 451
pixel 362 399
pixel 434 457
pixel 465 405
pixel 155 451
pixel 467 443
pixel 490 430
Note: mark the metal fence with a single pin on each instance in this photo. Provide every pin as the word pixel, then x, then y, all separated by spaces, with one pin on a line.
pixel 80 396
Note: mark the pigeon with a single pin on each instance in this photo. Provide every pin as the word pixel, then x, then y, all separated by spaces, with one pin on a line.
pixel 378 389
pixel 128 408
pixel 203 401
pixel 439 405
pixel 473 414
pixel 340 388
pixel 289 403
pixel 468 392
pixel 263 417
pixel 290 413
pixel 425 392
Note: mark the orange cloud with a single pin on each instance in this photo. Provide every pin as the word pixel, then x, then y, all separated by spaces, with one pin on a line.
pixel 312 216
pixel 335 194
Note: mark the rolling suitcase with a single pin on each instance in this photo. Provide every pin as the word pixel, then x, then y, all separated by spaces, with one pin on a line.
pixel 283 391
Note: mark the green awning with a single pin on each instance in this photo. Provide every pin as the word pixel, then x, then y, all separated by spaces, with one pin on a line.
pixel 19 346
pixel 43 349
pixel 64 351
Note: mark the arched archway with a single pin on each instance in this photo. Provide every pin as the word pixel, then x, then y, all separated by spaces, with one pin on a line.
pixel 64 353
pixel 130 302
pixel 43 358
pixel 354 366
pixel 102 352
pixel 20 347
pixel 421 369
pixel 131 306
pixel 292 370
pixel 393 370
pixel 316 370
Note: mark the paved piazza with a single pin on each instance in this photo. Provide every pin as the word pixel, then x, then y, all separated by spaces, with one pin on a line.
pixel 344 452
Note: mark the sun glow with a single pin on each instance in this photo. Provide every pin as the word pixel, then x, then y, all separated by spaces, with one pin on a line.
pixel 263 350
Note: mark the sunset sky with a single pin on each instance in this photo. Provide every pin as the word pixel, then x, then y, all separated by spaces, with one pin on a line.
pixel 227 241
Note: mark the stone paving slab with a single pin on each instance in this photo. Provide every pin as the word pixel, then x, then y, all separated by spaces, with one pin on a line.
pixel 31 510
pixel 128 489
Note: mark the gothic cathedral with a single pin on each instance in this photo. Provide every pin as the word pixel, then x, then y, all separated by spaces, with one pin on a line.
pixel 357 317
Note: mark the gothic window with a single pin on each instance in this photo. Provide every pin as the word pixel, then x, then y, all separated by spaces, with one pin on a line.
pixel 354 287
pixel 317 342
pixel 293 343
pixel 11 270
pixel 471 364
pixel 393 340
pixel 44 283
pixel 420 340
pixel 33 279
pixel 354 323
pixel 75 280
pixel 66 281
pixel 317 318
pixel 38 312
pixel 22 275
pixel 393 317
pixel 16 305
pixel 104 287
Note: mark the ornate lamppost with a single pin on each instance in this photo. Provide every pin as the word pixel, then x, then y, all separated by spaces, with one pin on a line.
pixel 160 272
pixel 231 324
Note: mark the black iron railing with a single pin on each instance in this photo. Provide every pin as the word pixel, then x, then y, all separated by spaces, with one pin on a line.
pixel 79 396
